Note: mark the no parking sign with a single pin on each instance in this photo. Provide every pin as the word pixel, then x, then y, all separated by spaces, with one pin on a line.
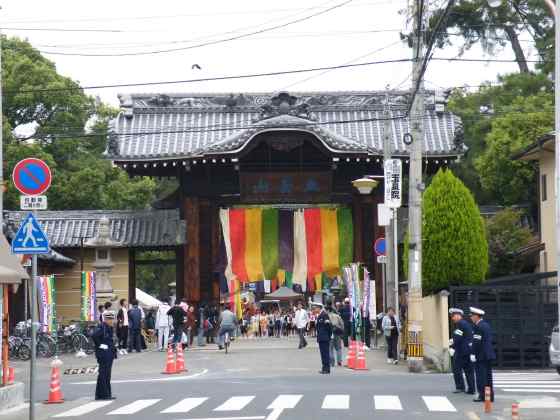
pixel 31 176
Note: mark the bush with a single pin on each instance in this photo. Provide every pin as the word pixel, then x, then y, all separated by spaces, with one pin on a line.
pixel 455 250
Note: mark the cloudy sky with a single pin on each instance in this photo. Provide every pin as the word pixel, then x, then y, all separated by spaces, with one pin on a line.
pixel 78 35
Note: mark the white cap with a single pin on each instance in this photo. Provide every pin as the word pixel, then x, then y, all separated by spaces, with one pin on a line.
pixel 476 311
pixel 347 300
pixel 456 311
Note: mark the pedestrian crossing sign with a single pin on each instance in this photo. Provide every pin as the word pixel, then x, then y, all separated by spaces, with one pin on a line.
pixel 30 238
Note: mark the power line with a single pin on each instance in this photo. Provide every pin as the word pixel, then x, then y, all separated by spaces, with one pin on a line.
pixel 205 44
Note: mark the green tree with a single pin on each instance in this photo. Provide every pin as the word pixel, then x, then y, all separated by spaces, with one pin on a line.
pixel 455 250
pixel 66 128
pixel 506 235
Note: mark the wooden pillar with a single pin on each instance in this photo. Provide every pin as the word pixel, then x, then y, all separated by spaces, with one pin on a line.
pixel 179 272
pixel 216 238
pixel 131 274
pixel 191 286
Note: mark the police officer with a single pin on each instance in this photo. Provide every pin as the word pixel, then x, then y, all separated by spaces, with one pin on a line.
pixel 324 334
pixel 105 352
pixel 460 349
pixel 482 353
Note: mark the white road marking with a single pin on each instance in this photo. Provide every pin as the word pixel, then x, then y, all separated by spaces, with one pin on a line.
pixel 528 385
pixel 235 403
pixel 387 402
pixel 230 418
pixel 185 405
pixel 134 407
pixel 284 401
pixel 84 409
pixel 166 379
pixel 336 402
pixel 530 390
pixel 438 404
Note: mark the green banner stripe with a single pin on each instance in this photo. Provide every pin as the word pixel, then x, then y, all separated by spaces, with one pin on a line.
pixel 346 236
pixel 270 242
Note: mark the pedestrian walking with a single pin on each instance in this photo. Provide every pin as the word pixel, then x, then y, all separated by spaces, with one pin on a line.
pixel 105 353
pixel 301 319
pixel 135 327
pixel 459 350
pixel 336 338
pixel 391 327
pixel 122 327
pixel 163 324
pixel 482 353
pixel 177 314
pixel 324 334
pixel 346 315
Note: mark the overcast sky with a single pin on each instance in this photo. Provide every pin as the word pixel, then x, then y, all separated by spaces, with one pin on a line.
pixel 363 30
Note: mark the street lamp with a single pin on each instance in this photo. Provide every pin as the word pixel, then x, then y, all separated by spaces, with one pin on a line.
pixel 365 185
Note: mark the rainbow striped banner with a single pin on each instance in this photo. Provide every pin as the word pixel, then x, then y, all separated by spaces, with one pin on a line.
pixel 46 295
pixel 287 246
pixel 89 298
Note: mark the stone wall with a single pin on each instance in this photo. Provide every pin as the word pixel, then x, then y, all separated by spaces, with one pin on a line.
pixel 436 331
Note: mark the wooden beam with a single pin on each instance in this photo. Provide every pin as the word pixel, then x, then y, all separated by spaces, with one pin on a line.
pixel 191 288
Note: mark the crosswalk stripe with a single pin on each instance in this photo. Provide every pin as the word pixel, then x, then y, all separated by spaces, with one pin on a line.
pixel 235 403
pixel 438 404
pixel 527 382
pixel 285 401
pixel 185 405
pixel 531 390
pixel 387 402
pixel 84 409
pixel 134 407
pixel 336 402
pixel 528 385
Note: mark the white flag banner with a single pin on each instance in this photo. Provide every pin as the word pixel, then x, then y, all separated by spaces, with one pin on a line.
pixel 393 183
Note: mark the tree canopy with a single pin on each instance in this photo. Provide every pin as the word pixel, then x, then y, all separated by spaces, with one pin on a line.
pixel 48 116
pixel 454 245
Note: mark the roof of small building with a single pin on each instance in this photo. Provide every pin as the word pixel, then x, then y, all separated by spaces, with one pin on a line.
pixel 127 228
pixel 532 152
pixel 183 126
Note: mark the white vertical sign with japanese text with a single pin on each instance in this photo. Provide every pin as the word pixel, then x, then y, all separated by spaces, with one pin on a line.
pixel 393 183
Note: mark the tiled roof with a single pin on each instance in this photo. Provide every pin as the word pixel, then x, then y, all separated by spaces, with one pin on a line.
pixel 183 126
pixel 129 228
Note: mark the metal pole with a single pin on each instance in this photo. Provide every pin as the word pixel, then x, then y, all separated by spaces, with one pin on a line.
pixel 415 316
pixel 557 147
pixel 1 145
pixel 384 278
pixel 396 258
pixel 33 337
pixel 389 240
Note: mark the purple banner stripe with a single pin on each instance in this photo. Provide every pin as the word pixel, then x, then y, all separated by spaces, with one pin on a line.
pixel 286 239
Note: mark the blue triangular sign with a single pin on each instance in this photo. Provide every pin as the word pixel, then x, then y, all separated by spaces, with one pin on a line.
pixel 30 238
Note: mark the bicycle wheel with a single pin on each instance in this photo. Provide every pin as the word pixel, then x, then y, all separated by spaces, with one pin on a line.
pixel 43 349
pixel 24 352
pixel 90 348
pixel 79 342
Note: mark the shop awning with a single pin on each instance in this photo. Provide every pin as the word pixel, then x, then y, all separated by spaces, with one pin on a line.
pixel 11 271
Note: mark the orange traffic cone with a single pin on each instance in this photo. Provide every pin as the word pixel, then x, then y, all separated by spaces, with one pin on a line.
pixel 11 375
pixel 361 359
pixel 170 364
pixel 180 362
pixel 487 399
pixel 515 411
pixel 55 393
pixel 351 357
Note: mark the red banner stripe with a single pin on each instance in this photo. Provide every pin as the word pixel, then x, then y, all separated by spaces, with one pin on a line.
pixel 313 238
pixel 237 240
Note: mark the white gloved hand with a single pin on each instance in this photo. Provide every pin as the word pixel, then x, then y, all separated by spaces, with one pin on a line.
pixel 473 358
pixel 104 347
pixel 451 352
pixel 450 341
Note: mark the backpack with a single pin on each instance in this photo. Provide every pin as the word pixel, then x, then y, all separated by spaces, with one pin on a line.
pixel 337 323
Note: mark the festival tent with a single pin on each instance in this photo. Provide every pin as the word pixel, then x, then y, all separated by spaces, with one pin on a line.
pixel 145 300
pixel 283 293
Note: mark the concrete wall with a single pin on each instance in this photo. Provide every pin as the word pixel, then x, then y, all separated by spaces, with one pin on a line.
pixel 435 330
pixel 548 256
pixel 68 281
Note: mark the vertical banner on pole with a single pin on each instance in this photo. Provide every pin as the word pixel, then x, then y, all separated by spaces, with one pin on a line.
pixel 46 303
pixel 89 307
pixel 372 300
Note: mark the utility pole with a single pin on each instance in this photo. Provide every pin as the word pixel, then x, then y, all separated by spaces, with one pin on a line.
pixel 415 190
pixel 389 278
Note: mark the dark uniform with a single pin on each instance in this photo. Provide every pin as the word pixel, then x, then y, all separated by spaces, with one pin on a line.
pixel 484 353
pixel 462 341
pixel 105 352
pixel 324 333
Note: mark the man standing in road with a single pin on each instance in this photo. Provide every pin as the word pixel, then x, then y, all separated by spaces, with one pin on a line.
pixel 482 354
pixel 134 326
pixel 301 320
pixel 459 350
pixel 178 314
pixel 105 353
pixel 122 327
pixel 346 315
pixel 324 334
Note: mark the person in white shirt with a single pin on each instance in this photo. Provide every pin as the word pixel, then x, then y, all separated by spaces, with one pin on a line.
pixel 163 323
pixel 301 320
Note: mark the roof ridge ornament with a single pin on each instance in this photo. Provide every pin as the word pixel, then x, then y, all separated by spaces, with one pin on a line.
pixel 285 104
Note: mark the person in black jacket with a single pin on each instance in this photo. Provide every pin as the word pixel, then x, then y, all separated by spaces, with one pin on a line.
pixel 105 353
pixel 135 327
pixel 324 334
pixel 482 354
pixel 346 315
pixel 459 350
pixel 178 314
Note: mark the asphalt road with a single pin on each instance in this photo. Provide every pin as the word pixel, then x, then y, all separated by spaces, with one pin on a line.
pixel 270 379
